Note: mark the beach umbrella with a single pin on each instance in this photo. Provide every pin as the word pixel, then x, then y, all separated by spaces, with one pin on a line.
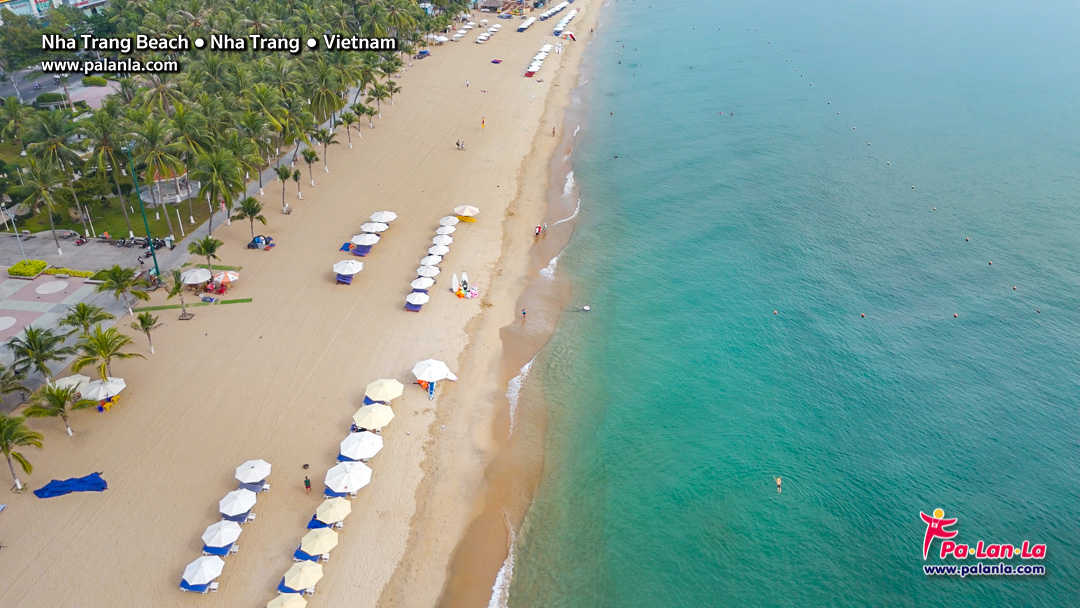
pixel 384 217
pixel 438 250
pixel 455 284
pixel 195 276
pixel 75 381
pixel 427 271
pixel 385 389
pixel 373 416
pixel 431 260
pixel 365 239
pixel 303 575
pixel 360 445
pixel 236 502
pixel 100 390
pixel 318 541
pixel 227 276
pixel 348 267
pixel 445 230
pixel 347 477
pixel 417 298
pixel 449 221
pixel 253 471
pixel 442 239
pixel 432 370
pixel 203 570
pixel 222 534
pixel 422 283
pixel 288 600
pixel 374 227
pixel 466 210
pixel 333 510
pixel 483 21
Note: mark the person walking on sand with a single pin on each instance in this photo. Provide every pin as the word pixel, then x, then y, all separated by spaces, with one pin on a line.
pixel 778 481
pixel 482 122
pixel 523 313
pixel 553 131
pixel 307 484
pixel 466 83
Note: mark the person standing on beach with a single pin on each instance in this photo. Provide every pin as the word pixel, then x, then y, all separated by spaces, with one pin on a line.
pixel 482 122
pixel 466 83
pixel 307 484
pixel 523 313
pixel 553 131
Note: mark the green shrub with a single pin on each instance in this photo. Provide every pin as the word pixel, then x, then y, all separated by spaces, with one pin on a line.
pixel 50 97
pixel 94 81
pixel 71 272
pixel 27 268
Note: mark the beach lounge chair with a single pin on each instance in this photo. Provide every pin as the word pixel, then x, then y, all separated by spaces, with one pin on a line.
pixel 214 587
pixel 346 246
pixel 361 250
pixel 254 487
pixel 300 556
pixel 344 279
pixel 310 591
pixel 332 494
pixel 283 589
pixel 219 551
pixel 419 291
pixel 325 558
pixel 266 487
pixel 197 588
pixel 343 458
pixel 413 307
pixel 339 525
pixel 315 523
pixel 234 549
pixel 250 517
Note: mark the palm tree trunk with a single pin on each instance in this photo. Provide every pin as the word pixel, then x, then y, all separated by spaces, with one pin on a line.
pixel 52 227
pixel 71 185
pixel 66 425
pixel 348 131
pixel 190 210
pixel 158 201
pixel 11 467
pixel 252 220
pixel 124 296
pixel 210 222
pixel 123 205
pixel 283 196
pixel 209 266
pixel 151 342
pixel 311 175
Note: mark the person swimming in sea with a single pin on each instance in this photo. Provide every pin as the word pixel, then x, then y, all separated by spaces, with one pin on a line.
pixel 778 481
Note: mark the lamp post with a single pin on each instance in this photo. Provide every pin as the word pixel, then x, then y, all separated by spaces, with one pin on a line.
pixel 149 239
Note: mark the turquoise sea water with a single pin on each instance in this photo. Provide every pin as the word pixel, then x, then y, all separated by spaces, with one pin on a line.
pixel 674 403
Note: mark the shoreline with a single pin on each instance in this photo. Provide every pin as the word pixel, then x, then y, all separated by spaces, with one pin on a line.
pixel 279 377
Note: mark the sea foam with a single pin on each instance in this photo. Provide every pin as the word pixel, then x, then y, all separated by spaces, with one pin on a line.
pixel 568 187
pixel 572 216
pixel 500 591
pixel 513 391
pixel 549 271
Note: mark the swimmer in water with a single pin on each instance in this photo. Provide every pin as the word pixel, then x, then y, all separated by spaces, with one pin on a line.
pixel 778 485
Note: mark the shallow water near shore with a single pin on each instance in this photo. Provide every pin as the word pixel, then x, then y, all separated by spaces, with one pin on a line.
pixel 670 407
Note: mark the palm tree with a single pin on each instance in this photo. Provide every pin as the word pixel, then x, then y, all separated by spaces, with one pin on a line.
pixel 176 288
pixel 11 381
pixel 363 110
pixel 15 435
pixel 391 88
pixel 206 247
pixel 122 283
pixel 349 119
pixel 146 324
pixel 283 174
pixel 377 93
pixel 13 117
pixel 36 348
pixel 38 183
pixel 99 348
pixel 188 131
pixel 256 128
pixel 219 172
pixel 52 133
pixel 250 209
pixel 84 316
pixel 296 178
pixel 104 134
pixel 310 157
pixel 158 153
pixel 53 401
pixel 325 137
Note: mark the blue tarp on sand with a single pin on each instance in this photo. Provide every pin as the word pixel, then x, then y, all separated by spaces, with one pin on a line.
pixel 90 483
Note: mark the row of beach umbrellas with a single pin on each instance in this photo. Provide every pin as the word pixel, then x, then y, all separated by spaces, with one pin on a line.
pixel 429 264
pixel 198 276
pixel 94 390
pixel 370 235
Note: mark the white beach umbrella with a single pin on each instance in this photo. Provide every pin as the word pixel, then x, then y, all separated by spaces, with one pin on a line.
pixel 384 389
pixel 483 21
pixel 287 600
pixel 431 260
pixel 348 267
pixel 203 570
pixel 427 271
pixel 253 471
pixel 441 39
pixel 432 370
pixel 438 250
pixel 470 23
pixel 303 575
pixel 347 477
pixel 446 230
pixel 361 445
pixel 417 298
pixel 75 381
pixel 442 239
pixel 448 221
pixel 373 416
pixel 383 216
pixel 374 227
pixel 319 541
pixel 236 502
pixel 195 276
pixel 365 239
pixel 333 510
pixel 100 390
pixel 227 276
pixel 222 534
pixel 422 283
pixel 466 210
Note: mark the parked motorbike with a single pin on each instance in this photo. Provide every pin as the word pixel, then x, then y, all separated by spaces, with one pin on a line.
pixel 82 240
pixel 69 234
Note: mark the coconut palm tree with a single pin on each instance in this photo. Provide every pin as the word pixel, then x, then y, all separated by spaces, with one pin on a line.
pixel 121 282
pixel 296 178
pixel 175 288
pixel 52 133
pixel 105 137
pixel 38 182
pixel 391 88
pixel 283 174
pixel 55 402
pixel 255 127
pixel 156 150
pixel 221 178
pixel 99 348
pixel 12 381
pixel 188 131
pixel 36 348
pixel 15 435
pixel 83 316
pixel 363 110
pixel 250 209
pixel 310 157
pixel 377 93
pixel 349 119
pixel 326 137
pixel 146 323
pixel 13 117
pixel 206 247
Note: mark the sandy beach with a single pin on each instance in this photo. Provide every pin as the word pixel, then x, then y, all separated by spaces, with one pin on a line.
pixel 278 378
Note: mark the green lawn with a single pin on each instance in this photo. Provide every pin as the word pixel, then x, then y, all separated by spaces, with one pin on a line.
pixel 177 306
pixel 111 219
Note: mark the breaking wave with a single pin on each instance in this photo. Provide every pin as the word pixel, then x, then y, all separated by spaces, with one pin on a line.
pixel 513 391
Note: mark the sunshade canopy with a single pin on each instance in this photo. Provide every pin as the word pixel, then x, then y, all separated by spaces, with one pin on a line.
pixel 373 416
pixel 203 570
pixel 253 471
